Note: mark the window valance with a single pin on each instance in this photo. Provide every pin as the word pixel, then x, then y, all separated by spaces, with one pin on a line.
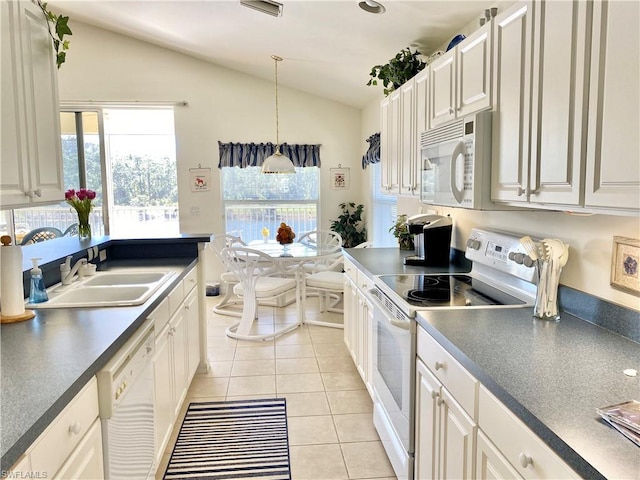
pixel 253 154
pixel 373 153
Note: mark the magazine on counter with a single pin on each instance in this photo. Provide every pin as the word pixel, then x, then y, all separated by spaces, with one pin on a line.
pixel 624 417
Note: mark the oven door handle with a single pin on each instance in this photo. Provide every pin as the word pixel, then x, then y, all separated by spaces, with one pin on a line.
pixel 405 325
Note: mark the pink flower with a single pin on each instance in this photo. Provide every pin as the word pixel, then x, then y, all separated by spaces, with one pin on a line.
pixel 69 194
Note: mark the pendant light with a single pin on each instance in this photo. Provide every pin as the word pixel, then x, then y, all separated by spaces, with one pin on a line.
pixel 277 163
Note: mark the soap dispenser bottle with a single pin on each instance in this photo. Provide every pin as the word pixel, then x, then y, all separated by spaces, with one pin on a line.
pixel 37 293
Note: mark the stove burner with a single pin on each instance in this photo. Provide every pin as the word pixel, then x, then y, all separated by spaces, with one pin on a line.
pixel 431 295
pixel 426 281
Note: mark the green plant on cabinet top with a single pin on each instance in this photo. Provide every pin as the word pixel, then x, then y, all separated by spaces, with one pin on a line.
pixel 350 225
pixel 404 66
pixel 61 27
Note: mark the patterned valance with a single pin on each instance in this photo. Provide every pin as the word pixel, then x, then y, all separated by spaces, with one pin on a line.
pixel 253 154
pixel 373 153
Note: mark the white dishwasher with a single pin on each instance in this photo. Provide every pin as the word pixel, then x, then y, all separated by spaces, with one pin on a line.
pixel 125 395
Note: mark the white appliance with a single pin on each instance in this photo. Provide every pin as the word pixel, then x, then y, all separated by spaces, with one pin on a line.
pixel 126 400
pixel 456 164
pixel 500 278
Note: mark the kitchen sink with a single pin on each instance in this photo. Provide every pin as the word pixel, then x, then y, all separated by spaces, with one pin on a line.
pixel 106 289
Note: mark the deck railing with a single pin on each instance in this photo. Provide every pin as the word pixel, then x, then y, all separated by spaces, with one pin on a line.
pixel 249 219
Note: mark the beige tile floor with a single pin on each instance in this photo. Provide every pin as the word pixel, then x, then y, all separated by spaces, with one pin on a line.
pixel 329 411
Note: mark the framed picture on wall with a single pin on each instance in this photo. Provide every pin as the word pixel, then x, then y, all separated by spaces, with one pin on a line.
pixel 625 265
pixel 340 178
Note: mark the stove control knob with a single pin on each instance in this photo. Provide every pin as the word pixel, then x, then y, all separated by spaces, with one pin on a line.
pixel 527 261
pixel 473 244
pixel 517 257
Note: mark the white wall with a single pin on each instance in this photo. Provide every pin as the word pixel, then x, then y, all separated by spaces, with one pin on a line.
pixel 590 237
pixel 223 105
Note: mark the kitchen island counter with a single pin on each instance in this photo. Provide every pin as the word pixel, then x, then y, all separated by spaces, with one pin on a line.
pixel 47 360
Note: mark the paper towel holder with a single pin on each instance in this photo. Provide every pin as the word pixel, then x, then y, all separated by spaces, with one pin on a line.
pixel 28 314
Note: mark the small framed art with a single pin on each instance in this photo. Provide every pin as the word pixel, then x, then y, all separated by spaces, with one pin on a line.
pixel 625 265
pixel 340 178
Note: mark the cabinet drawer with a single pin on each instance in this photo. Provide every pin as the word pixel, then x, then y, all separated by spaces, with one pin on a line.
pixel 175 298
pixel 462 385
pixel 58 441
pixel 364 282
pixel 160 315
pixel 351 271
pixel 190 280
pixel 523 449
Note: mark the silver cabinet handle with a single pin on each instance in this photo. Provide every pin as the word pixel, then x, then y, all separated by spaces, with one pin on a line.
pixel 521 191
pixel 439 365
pixel 435 394
pixel 37 193
pixel 75 428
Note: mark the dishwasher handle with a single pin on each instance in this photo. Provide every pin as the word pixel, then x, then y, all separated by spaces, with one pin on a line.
pixel 403 322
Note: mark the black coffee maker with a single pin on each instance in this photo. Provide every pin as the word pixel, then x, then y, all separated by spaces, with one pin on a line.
pixel 431 240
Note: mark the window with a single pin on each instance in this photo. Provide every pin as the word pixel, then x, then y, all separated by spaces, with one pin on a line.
pixel 127 155
pixel 385 211
pixel 253 200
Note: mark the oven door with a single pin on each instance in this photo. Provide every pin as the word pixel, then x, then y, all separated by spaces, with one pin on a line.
pixel 393 381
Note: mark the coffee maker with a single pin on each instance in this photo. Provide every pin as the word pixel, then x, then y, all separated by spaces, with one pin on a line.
pixel 431 240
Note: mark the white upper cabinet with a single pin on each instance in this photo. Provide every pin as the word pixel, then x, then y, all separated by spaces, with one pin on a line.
pixel 31 161
pixel 474 72
pixel 390 141
pixel 512 74
pixel 613 143
pixel 461 78
pixel 443 90
pixel 560 59
pixel 408 167
pixel 566 122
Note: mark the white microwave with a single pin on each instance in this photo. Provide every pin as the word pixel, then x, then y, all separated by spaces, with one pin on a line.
pixel 456 164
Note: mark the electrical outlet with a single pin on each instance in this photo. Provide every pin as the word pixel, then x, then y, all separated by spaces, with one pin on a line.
pixel 103 255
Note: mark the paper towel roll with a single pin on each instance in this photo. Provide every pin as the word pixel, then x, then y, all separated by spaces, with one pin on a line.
pixel 11 286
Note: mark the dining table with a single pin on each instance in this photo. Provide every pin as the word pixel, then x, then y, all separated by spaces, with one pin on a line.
pixel 290 260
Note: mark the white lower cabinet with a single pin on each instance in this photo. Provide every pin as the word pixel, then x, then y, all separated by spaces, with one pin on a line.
pixel 463 431
pixel 445 433
pixel 177 355
pixel 358 322
pixel 522 449
pixel 71 446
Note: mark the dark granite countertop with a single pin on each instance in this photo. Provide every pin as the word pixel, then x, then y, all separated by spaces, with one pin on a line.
pixel 47 360
pixel 551 375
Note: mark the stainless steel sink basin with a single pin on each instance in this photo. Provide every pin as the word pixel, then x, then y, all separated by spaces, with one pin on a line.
pixel 106 289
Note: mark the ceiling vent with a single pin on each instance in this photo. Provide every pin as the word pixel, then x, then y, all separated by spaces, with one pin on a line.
pixel 265 6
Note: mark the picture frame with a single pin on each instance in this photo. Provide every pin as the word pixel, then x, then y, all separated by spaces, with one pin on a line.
pixel 340 178
pixel 625 264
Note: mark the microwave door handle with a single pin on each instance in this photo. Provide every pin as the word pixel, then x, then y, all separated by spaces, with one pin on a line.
pixel 458 150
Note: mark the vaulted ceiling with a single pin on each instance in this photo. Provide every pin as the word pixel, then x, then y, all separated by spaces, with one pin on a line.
pixel 328 46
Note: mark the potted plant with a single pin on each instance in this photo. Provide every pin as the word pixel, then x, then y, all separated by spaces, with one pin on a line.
pixel 404 66
pixel 350 225
pixel 401 232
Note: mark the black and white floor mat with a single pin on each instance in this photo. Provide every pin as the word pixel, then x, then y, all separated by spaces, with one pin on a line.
pixel 232 440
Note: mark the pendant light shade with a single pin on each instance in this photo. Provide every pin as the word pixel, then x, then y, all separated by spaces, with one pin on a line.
pixel 277 163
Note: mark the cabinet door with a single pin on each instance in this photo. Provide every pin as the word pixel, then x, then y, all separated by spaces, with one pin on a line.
pixel 86 461
pixel 443 92
pixel 385 118
pixel 179 355
pixel 394 140
pixel 457 457
pixel 422 106
pixel 613 143
pixel 14 168
pixel 162 372
pixel 427 427
pixel 490 463
pixel 350 315
pixel 408 142
pixel 512 89
pixel 473 65
pixel 559 93
pixel 42 112
pixel 193 332
pixel 368 345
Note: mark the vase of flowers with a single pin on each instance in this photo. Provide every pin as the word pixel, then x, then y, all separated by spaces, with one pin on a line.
pixel 81 203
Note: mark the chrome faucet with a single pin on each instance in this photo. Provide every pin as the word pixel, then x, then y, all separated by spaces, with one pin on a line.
pixel 67 272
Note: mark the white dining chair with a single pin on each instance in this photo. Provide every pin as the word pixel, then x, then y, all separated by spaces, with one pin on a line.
pixel 260 279
pixel 227 279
